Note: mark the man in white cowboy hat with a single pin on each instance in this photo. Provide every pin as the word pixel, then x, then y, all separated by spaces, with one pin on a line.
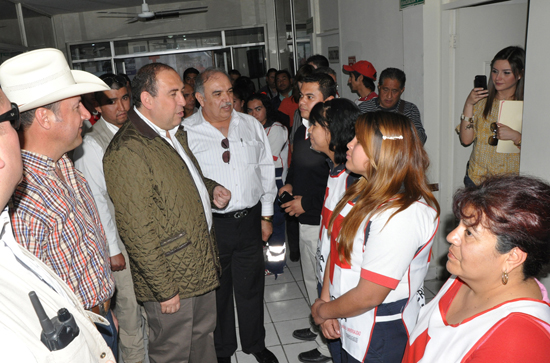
pixel 21 272
pixel 52 211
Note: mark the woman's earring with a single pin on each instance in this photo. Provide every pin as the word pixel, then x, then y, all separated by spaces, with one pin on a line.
pixel 505 277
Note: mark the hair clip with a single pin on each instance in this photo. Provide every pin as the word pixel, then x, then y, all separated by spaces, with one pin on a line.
pixel 400 137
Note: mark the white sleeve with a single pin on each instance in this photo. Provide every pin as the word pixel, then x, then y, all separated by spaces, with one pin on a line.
pixel 278 137
pixel 90 163
pixel 391 246
pixel 267 172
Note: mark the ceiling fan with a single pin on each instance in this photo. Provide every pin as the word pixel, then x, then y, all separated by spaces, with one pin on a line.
pixel 147 15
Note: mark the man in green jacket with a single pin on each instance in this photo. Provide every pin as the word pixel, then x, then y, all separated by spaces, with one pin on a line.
pixel 164 217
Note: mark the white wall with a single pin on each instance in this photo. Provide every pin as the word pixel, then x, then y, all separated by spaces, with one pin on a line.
pixel 371 30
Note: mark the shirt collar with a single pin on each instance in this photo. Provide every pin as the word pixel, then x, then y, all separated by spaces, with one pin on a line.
pixel 110 126
pixel 36 161
pixel 6 233
pixel 335 169
pixel 387 109
pixel 158 130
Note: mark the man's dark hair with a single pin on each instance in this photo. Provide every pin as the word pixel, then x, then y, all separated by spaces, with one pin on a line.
pixel 367 82
pixel 393 73
pixel 302 73
pixel 128 80
pixel 190 70
pixel 270 70
pixel 327 86
pixel 284 71
pixel 318 60
pixel 146 81
pixel 235 72
pixel 325 70
pixel 113 81
pixel 27 117
pixel 246 87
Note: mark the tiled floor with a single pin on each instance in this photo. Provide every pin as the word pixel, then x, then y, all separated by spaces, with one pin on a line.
pixel 286 309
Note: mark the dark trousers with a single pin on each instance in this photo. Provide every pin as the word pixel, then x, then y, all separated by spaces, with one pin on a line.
pixel 278 236
pixel 293 235
pixel 241 257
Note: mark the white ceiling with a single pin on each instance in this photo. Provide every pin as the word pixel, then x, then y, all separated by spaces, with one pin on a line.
pixel 55 7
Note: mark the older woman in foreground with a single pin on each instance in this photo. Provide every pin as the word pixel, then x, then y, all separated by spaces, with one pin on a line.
pixel 492 309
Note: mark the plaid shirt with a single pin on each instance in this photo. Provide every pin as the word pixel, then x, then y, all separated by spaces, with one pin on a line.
pixel 59 223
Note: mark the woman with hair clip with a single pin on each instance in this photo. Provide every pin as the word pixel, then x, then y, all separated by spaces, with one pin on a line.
pixel 332 127
pixel 381 236
pixel 478 122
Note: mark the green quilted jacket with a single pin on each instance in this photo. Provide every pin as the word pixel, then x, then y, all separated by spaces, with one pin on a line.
pixel 159 214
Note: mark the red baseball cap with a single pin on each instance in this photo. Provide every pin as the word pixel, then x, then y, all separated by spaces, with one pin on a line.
pixel 363 67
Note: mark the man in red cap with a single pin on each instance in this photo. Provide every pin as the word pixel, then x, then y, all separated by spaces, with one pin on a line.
pixel 361 80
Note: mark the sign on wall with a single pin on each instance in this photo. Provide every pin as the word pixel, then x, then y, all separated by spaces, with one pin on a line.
pixel 334 54
pixel 406 3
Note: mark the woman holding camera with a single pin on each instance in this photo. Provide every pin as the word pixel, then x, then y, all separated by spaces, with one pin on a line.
pixel 480 115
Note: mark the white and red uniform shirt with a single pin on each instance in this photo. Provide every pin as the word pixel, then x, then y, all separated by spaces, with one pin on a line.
pixel 337 183
pixel 277 135
pixel 519 323
pixel 390 252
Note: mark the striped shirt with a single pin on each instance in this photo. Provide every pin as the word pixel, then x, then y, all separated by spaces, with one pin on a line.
pixel 250 174
pixel 410 110
pixel 58 222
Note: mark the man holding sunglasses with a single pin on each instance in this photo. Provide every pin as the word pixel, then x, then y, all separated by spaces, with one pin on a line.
pixel 52 210
pixel 113 105
pixel 232 149
pixel 163 214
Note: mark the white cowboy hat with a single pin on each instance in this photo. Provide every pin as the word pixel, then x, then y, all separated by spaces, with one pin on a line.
pixel 41 77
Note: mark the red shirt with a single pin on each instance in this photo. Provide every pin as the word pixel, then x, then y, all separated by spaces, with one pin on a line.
pixel 288 107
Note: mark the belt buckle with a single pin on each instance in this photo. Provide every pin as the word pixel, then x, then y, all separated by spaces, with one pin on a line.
pixel 101 307
pixel 240 214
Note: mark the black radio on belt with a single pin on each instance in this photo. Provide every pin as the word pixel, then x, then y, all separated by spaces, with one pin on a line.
pixel 58 332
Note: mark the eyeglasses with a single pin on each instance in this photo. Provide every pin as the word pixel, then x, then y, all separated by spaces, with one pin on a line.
pixel 226 154
pixel 12 116
pixel 493 141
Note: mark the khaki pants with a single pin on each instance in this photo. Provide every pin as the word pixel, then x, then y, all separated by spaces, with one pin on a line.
pixel 128 313
pixel 309 237
pixel 185 336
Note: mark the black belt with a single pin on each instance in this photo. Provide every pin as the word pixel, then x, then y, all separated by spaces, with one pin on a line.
pixel 237 214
